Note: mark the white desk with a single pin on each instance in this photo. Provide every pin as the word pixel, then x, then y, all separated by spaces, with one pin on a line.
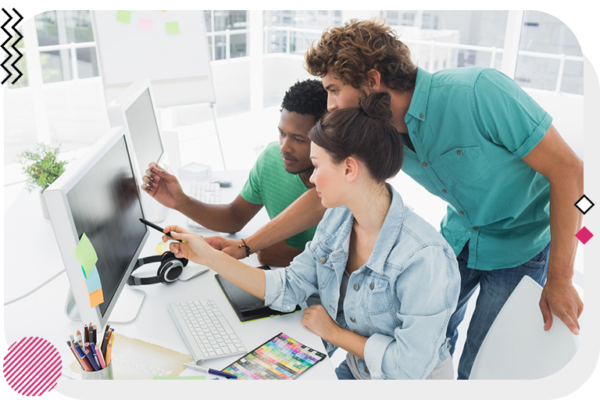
pixel 41 313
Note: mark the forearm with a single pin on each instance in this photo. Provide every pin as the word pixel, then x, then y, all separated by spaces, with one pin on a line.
pixel 248 278
pixel 305 213
pixel 279 255
pixel 217 217
pixel 565 222
pixel 350 341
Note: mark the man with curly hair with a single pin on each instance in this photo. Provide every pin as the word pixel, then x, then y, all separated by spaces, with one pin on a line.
pixel 475 139
pixel 279 176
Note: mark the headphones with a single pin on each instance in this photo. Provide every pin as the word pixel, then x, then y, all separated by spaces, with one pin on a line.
pixel 169 271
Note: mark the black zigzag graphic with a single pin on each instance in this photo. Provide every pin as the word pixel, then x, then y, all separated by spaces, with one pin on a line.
pixel 8 31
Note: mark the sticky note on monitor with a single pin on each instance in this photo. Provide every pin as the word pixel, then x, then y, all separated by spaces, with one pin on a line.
pixel 86 254
pixel 124 16
pixel 93 281
pixel 96 298
pixel 172 28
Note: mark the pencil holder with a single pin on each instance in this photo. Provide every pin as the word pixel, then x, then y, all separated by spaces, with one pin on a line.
pixel 106 373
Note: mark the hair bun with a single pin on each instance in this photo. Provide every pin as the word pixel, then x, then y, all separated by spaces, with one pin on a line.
pixel 377 105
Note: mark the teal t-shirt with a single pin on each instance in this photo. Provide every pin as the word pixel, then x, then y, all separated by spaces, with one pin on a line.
pixel 270 184
pixel 470 128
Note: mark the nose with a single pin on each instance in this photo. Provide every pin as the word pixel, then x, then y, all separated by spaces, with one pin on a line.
pixel 331 105
pixel 312 176
pixel 284 145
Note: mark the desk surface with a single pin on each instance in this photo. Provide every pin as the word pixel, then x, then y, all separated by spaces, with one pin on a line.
pixel 41 313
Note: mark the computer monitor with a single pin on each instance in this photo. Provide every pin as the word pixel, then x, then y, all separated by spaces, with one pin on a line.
pixel 134 109
pixel 99 196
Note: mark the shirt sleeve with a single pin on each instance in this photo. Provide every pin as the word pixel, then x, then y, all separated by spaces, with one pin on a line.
pixel 251 191
pixel 287 287
pixel 508 114
pixel 414 350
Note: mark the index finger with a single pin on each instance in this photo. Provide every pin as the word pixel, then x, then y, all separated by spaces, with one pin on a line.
pixel 175 228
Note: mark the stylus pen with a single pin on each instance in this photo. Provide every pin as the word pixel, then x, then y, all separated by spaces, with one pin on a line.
pixel 210 371
pixel 158 228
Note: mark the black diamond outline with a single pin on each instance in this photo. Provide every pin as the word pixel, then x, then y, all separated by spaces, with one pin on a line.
pixel 588 199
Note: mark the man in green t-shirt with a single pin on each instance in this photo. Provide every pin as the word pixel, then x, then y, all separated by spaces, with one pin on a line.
pixel 281 175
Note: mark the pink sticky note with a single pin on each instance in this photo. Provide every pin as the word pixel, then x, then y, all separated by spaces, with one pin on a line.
pixel 145 24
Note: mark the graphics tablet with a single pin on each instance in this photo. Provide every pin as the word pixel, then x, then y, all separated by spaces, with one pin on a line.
pixel 246 306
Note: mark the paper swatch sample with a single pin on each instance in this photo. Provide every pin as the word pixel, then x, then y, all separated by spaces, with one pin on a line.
pixel 281 358
pixel 124 16
pixel 139 359
pixel 172 28
pixel 86 254
pixel 145 24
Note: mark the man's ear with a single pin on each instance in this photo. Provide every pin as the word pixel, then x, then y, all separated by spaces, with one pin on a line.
pixel 351 169
pixel 374 80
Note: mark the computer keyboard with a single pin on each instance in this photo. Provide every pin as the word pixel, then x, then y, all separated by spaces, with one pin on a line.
pixel 205 192
pixel 206 332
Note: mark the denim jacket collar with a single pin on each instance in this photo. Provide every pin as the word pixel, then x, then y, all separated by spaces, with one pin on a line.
pixel 338 242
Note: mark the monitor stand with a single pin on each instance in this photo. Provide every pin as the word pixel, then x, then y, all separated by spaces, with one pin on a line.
pixel 126 310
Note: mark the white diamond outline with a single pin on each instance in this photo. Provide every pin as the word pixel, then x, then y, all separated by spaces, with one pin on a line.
pixel 584 197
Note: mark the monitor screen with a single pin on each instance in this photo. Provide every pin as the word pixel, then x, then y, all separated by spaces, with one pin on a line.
pixel 105 205
pixel 143 128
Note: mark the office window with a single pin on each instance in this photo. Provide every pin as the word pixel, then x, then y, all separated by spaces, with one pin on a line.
pixel 476 28
pixel 218 22
pixel 308 26
pixel 56 30
pixel 544 39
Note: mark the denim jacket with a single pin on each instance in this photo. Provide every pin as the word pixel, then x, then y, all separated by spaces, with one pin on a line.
pixel 401 299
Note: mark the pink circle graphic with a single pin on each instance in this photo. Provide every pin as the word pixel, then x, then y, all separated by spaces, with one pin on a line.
pixel 32 366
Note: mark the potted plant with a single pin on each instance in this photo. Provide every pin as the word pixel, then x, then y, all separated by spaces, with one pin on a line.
pixel 42 168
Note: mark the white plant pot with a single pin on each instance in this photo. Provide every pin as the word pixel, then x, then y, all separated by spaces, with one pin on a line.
pixel 44 206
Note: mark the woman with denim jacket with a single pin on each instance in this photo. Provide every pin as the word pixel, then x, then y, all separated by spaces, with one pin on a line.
pixel 388 281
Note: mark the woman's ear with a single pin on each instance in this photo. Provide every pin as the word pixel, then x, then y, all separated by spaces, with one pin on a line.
pixel 351 166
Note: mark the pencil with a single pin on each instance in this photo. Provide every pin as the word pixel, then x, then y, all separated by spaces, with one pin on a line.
pixel 103 346
pixel 109 350
pixel 86 334
pixel 75 354
pixel 95 338
pixel 79 338
pixel 105 343
pixel 86 362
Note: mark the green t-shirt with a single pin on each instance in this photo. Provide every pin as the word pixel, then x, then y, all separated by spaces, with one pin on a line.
pixel 270 184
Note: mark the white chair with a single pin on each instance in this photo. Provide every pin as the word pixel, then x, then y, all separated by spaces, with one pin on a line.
pixel 517 347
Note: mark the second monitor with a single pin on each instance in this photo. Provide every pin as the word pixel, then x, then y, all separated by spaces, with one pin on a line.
pixel 134 108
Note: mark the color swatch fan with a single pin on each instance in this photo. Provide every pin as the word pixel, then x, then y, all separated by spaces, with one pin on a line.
pixel 31 367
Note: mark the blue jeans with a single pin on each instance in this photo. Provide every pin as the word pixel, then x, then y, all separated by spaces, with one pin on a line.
pixel 495 287
pixel 343 372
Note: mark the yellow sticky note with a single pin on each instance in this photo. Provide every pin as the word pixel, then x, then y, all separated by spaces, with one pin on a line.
pixel 96 298
pixel 86 254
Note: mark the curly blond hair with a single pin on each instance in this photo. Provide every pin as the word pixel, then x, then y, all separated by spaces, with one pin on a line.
pixel 359 46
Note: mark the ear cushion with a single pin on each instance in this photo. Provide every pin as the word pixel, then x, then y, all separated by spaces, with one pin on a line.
pixel 168 255
pixel 170 267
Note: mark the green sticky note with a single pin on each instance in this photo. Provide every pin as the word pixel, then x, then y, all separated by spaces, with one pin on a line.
pixel 86 254
pixel 172 28
pixel 124 16
pixel 179 378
